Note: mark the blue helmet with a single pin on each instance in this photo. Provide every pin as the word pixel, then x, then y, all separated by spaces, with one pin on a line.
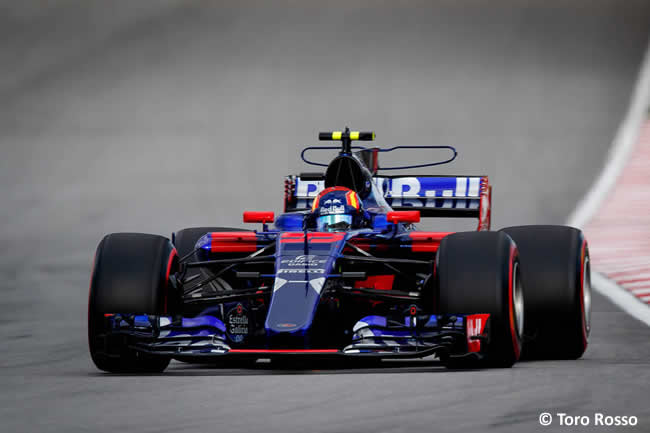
pixel 337 209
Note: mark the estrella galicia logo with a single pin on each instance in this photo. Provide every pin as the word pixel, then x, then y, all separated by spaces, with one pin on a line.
pixel 237 323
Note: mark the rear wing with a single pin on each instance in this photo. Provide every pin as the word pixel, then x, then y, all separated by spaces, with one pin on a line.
pixel 433 196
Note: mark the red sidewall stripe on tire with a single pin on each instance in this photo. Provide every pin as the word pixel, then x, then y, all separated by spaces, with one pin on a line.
pixel 170 261
pixel 513 332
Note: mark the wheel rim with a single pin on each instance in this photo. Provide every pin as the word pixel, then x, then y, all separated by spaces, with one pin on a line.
pixel 586 294
pixel 518 301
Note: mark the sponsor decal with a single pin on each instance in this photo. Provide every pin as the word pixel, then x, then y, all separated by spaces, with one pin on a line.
pixel 475 327
pixel 301 271
pixel 413 311
pixel 418 192
pixel 237 323
pixel 332 207
pixel 407 187
pixel 309 188
pixel 286 325
pixel 306 260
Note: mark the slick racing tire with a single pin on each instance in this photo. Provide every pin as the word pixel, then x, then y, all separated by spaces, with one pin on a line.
pixel 557 287
pixel 130 276
pixel 478 272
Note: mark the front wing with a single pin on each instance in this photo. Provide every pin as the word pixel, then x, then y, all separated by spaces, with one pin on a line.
pixel 204 338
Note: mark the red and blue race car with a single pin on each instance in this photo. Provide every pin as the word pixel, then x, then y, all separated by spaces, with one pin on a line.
pixel 345 273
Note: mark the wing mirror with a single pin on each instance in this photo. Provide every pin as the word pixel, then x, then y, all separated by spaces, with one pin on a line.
pixel 404 216
pixel 259 217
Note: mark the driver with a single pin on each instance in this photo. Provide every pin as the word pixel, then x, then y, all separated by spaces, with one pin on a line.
pixel 338 209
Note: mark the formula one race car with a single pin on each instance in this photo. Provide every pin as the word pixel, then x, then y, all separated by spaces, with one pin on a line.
pixel 344 273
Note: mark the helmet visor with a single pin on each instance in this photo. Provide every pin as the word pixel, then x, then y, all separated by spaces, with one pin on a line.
pixel 334 223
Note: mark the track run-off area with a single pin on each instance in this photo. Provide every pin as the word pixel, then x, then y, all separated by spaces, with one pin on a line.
pixel 620 231
pixel 155 116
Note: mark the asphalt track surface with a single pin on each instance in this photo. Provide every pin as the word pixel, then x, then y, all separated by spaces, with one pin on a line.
pixel 161 115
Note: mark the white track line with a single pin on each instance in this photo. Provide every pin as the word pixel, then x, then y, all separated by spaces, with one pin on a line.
pixel 617 158
pixel 621 297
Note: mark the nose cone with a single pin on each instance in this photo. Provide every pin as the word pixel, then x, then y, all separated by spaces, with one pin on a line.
pixel 294 303
pixel 303 264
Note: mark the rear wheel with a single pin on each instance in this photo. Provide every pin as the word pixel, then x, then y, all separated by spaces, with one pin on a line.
pixel 130 276
pixel 557 281
pixel 478 272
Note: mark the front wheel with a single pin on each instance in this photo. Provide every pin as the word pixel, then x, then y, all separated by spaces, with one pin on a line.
pixel 130 276
pixel 479 272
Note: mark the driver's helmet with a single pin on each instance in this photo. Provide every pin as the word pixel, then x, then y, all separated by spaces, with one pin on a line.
pixel 337 209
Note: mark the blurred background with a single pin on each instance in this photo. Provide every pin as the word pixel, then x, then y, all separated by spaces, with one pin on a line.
pixel 157 115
